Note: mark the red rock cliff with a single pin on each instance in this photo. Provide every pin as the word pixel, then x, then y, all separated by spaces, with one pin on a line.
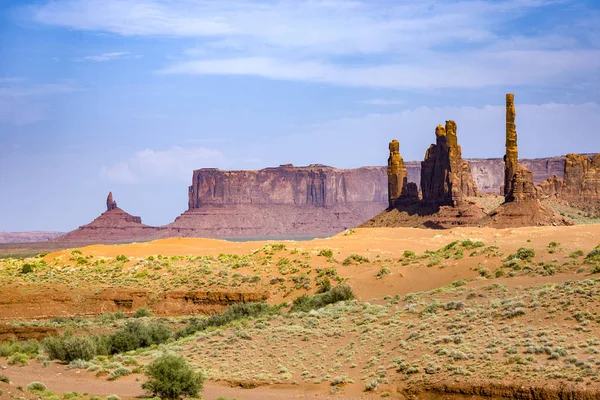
pixel 314 185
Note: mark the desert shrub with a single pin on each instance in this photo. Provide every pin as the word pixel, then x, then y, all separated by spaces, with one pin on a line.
pixel 134 335
pixel 525 254
pixel 31 347
pixel 338 293
pixel 470 244
pixel 27 268
pixel 576 254
pixel 137 334
pixel 234 312
pixel 408 254
pixel 324 285
pixel 499 273
pixel 19 359
pixel 119 372
pixel 328 253
pixel 36 387
pixel 484 272
pixel 122 258
pixel 4 378
pixel 383 271
pixel 593 256
pixel 596 269
pixel 142 312
pixel 113 397
pixel 69 348
pixel 355 258
pixel 171 377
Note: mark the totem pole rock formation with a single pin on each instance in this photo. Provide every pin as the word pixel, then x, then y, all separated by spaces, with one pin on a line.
pixel 110 203
pixel 446 178
pixel 396 172
pixel 521 205
pixel 518 180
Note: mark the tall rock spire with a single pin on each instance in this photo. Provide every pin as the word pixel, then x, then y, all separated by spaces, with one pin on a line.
pixel 511 158
pixel 397 174
pixel 110 203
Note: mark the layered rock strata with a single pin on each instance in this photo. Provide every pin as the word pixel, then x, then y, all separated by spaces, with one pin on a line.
pixel 445 177
pixel 113 225
pixel 446 182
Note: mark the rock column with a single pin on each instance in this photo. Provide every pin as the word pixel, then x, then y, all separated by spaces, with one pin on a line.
pixel 110 203
pixel 511 157
pixel 397 175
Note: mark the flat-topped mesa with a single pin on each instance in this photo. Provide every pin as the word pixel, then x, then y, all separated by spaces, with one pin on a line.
pixel 397 174
pixel 446 178
pixel 518 180
pixel 110 203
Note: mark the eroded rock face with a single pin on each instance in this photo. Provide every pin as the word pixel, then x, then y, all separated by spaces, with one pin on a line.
pixel 511 158
pixel 445 177
pixel 110 203
pixel 397 174
pixel 113 225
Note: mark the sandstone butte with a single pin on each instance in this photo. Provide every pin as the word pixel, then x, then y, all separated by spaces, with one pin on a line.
pixel 446 183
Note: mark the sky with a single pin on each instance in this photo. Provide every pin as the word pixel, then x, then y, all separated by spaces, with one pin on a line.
pixel 131 96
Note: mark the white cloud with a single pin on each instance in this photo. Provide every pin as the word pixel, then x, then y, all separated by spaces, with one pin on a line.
pixel 474 71
pixel 383 102
pixel 413 44
pixel 175 163
pixel 108 56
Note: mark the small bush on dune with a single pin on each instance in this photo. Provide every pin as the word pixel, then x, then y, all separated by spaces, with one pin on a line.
pixel 19 359
pixel 36 387
pixel 171 377
pixel 4 378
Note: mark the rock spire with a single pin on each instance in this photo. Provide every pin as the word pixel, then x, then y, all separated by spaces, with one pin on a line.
pixel 110 203
pixel 396 172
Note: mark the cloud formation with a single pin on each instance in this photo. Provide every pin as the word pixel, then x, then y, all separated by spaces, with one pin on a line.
pixel 175 163
pixel 108 56
pixel 415 44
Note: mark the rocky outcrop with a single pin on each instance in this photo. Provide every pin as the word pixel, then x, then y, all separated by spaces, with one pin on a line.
pixel 114 225
pixel 397 174
pixel 521 205
pixel 286 201
pixel 446 183
pixel 28 237
pixel 110 203
pixel 445 177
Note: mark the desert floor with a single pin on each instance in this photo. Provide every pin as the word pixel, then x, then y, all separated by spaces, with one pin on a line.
pixel 436 313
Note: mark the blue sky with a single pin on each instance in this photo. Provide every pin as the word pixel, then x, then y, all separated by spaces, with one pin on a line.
pixel 132 95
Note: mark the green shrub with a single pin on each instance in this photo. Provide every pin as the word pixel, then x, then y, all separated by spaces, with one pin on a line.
pixel 142 312
pixel 596 269
pixel 525 254
pixel 171 377
pixel 137 334
pixel 26 268
pixel 4 378
pixel 119 372
pixel 122 258
pixel 69 348
pixel 499 273
pixel 470 244
pixel 36 387
pixel 383 271
pixel 306 303
pixel 576 254
pixel 324 285
pixel 19 359
pixel 408 254
pixel 234 312
pixel 355 258
pixel 327 253
pixel 593 256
